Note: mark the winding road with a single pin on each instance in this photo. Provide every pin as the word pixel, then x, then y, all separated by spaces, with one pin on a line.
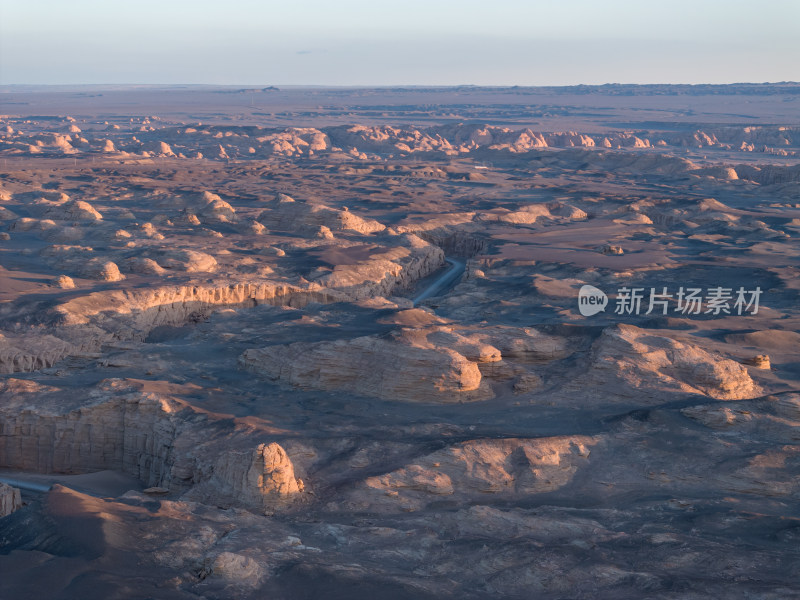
pixel 447 278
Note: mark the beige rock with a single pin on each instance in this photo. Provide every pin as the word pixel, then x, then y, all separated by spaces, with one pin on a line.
pixel 158 149
pixel 504 468
pixel 74 210
pixel 149 230
pixel 369 366
pixel 239 569
pixel 285 214
pixel 760 361
pixel 64 282
pixel 211 208
pixel 253 227
pixel 104 270
pixel 10 499
pixel 261 478
pixel 653 364
pixel 611 249
pixel 188 261
pixel 272 251
pixel 323 233
pixel 144 266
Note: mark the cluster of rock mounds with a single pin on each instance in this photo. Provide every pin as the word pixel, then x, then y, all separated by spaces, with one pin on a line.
pixel 423 360
pixel 285 214
pixel 361 141
pixel 83 322
pixel 440 363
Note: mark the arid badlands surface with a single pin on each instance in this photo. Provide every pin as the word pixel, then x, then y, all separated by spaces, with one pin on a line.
pixel 312 343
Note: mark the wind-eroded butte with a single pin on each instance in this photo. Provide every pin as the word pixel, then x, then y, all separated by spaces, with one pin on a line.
pixel 628 364
pixel 155 437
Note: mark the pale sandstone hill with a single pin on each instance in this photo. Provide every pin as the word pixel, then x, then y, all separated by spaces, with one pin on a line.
pixel 644 362
pixel 368 366
pixel 103 270
pixel 73 210
pixel 211 208
pixel 263 477
pixel 471 471
pixel 286 214
pixel 186 261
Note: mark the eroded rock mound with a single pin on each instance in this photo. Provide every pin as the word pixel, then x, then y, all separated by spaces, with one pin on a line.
pixel 212 208
pixel 64 282
pixel 505 468
pixel 262 477
pixel 187 261
pixel 651 362
pixel 286 214
pixel 73 210
pixel 104 270
pixel 370 366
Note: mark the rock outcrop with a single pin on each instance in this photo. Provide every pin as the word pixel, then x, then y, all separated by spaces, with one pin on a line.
pixel 159 440
pixel 31 352
pixel 103 270
pixel 286 214
pixel 471 470
pixel 73 210
pixel 10 499
pixel 263 478
pixel 645 361
pixel 369 366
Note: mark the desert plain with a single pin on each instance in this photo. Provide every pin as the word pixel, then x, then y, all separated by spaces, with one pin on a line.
pixel 327 342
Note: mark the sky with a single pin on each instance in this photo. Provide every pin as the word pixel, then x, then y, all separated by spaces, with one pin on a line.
pixel 398 42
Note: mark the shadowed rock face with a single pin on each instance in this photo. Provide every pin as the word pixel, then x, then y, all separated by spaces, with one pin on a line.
pixel 211 358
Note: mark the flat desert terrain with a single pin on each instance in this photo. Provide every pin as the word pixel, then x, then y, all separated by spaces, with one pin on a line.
pixel 404 343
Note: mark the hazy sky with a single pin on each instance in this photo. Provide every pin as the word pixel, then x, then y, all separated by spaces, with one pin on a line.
pixel 381 42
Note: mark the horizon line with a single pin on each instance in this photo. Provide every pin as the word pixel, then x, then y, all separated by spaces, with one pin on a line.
pixel 267 86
